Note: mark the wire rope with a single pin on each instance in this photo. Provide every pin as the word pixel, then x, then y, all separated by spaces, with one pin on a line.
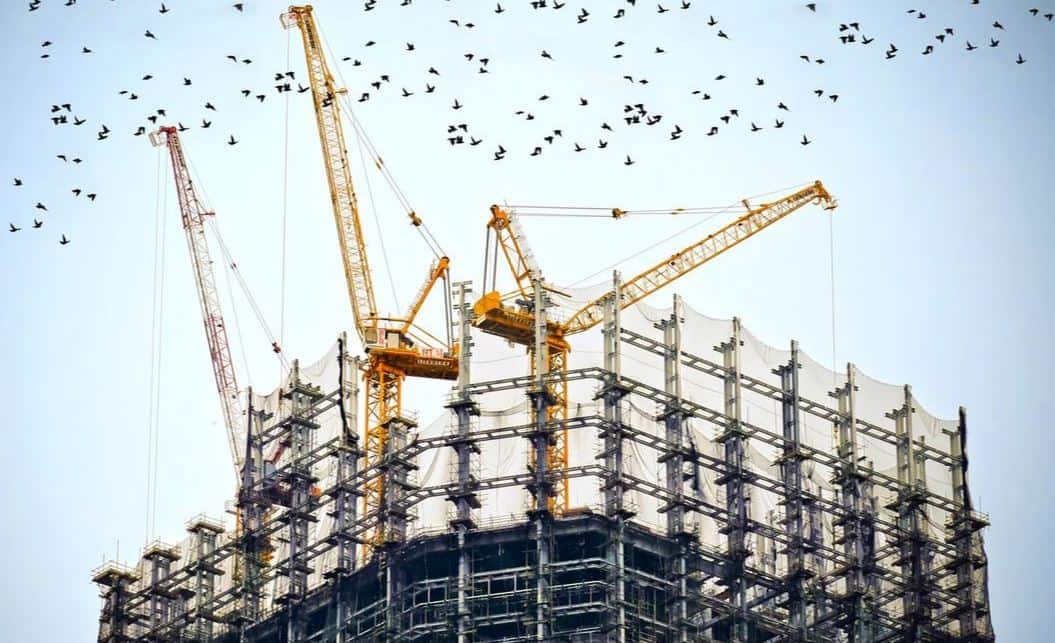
pixel 152 352
pixel 831 278
pixel 160 355
pixel 349 113
pixel 636 254
pixel 285 212
pixel 380 234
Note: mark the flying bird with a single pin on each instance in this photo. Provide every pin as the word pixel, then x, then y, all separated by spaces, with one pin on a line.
pixel 64 240
pixel 232 141
pixel 13 228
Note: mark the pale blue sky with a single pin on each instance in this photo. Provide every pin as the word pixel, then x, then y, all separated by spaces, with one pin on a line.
pixel 941 164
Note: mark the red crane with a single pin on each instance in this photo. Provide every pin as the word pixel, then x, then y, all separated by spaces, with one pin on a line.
pixel 193 215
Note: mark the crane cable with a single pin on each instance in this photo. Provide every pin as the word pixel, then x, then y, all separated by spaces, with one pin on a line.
pixel 237 322
pixel 285 212
pixel 831 276
pixel 608 213
pixel 214 226
pixel 422 228
pixel 380 234
pixel 153 346
pixel 637 253
pixel 156 331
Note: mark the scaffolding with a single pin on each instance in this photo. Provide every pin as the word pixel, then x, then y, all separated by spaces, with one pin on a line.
pixel 722 490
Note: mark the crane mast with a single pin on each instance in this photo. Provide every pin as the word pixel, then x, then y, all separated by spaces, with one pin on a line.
pixel 393 354
pixel 496 315
pixel 192 215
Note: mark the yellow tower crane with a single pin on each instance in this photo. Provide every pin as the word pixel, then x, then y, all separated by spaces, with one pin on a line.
pixel 511 316
pixel 395 346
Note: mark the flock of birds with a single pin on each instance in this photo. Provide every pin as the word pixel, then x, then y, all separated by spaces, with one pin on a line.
pixel 632 114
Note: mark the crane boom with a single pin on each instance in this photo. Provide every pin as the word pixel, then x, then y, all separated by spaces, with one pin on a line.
pixel 517 324
pixel 684 261
pixel 338 171
pixel 193 216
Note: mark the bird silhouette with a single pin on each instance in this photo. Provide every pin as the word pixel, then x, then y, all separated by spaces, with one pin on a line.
pixel 805 141
pixel 629 161
pixel 64 241
pixel 37 224
pixel 18 182
pixel 13 228
pixel 150 35
pixel 163 9
pixel 232 141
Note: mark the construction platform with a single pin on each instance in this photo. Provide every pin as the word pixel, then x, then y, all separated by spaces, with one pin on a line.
pixel 720 490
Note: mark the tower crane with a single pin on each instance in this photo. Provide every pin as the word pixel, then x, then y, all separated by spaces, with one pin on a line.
pixel 511 316
pixel 193 216
pixel 395 346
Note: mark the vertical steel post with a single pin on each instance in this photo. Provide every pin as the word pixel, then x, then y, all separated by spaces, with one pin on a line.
pixel 345 492
pixel 299 435
pixel 912 529
pixel 614 485
pixel 541 484
pixel 464 497
pixel 734 479
pixel 970 561
pixel 794 502
pixel 673 459
pixel 252 504
pixel 857 519
pixel 204 533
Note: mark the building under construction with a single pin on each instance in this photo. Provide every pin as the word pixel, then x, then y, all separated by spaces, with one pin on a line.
pixel 719 490
pixel 672 478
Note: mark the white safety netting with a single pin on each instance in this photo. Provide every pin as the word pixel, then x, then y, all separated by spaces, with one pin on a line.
pixel 493 359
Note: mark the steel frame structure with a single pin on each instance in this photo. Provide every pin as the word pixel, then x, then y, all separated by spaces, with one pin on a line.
pixel 583 576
